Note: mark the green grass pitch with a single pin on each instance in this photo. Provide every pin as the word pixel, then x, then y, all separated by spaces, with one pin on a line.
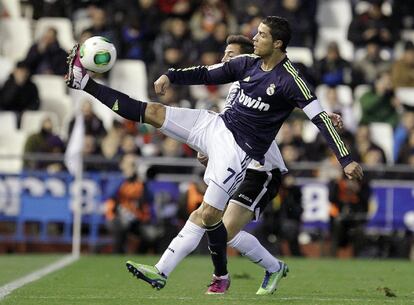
pixel 104 280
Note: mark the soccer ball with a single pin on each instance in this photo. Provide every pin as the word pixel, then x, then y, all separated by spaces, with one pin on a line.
pixel 97 54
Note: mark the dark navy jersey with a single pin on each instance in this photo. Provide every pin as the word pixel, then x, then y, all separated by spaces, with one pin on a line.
pixel 265 101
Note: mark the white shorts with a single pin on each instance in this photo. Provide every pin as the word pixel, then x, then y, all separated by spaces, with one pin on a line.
pixel 206 132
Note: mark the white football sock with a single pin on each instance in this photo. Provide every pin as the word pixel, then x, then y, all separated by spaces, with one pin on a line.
pixel 249 246
pixel 183 244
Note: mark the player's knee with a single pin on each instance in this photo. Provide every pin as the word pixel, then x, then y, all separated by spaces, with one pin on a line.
pixel 196 217
pixel 211 215
pixel 155 114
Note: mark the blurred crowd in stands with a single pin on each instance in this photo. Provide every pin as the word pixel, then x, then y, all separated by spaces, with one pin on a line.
pixel 357 54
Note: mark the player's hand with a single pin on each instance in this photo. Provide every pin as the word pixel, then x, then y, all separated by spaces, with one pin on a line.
pixel 353 171
pixel 202 159
pixel 162 84
pixel 336 120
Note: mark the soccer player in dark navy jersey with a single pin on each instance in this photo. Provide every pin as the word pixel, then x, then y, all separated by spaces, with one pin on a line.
pixel 271 88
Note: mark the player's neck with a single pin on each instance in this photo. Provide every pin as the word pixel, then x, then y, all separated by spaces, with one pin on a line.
pixel 271 61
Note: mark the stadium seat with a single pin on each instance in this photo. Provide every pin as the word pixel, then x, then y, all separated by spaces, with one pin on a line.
pixel 309 131
pixel 130 77
pixel 61 106
pixel 382 135
pixel 334 13
pixel 12 145
pixel 16 38
pixel 63 27
pixel 327 35
pixel 12 8
pixel 300 55
pixel 344 94
pixel 8 121
pixel 49 85
pixel 32 121
pixel 405 95
pixel 6 65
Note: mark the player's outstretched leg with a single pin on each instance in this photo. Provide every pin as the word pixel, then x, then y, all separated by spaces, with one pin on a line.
pixel 271 280
pixel 148 274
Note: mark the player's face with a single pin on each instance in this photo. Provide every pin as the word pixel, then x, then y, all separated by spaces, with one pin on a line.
pixel 263 41
pixel 231 50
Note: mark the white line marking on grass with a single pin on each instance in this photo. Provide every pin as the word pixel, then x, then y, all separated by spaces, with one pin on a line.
pixel 36 275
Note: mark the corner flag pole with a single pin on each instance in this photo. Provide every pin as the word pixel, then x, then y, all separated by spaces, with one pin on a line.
pixel 74 163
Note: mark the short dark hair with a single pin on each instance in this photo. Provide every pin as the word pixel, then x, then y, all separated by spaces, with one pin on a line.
pixel 246 45
pixel 279 29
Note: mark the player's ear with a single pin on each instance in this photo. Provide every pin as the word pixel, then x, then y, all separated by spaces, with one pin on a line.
pixel 277 44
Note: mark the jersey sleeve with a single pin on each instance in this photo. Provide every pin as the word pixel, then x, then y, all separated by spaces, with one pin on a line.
pixel 221 73
pixel 233 94
pixel 295 88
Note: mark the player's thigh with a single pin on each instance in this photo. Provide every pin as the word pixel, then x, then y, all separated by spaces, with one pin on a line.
pixel 225 170
pixel 235 218
pixel 188 126
pixel 257 190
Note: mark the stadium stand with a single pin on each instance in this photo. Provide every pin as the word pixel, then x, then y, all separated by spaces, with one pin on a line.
pixel 11 144
pixel 16 38
pixel 63 27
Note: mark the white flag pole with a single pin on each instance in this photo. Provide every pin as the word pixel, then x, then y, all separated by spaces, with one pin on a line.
pixel 74 163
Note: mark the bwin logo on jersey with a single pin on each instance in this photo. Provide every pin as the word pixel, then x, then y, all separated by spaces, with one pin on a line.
pixel 253 103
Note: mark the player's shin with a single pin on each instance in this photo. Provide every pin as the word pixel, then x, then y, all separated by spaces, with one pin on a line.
pixel 249 246
pixel 183 244
pixel 217 244
pixel 118 102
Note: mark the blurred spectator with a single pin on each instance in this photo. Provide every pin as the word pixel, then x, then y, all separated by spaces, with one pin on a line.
pixel 401 132
pixel 301 22
pixel 348 212
pixel 128 209
pixel 175 34
pixel 173 57
pixel 210 14
pixel 407 149
pixel 365 146
pixel 101 26
pixel 373 25
pixel 46 56
pixel 402 72
pixel 249 29
pixel 403 14
pixel 45 141
pixel 246 10
pixel 333 69
pixel 191 199
pixel 48 8
pixel 19 93
pixel 110 144
pixel 379 104
pixel 291 145
pixel 177 8
pixel 367 69
pixel 128 145
pixel 289 214
pixel 93 125
pixel 332 102
pixel 90 151
pixel 215 41
pixel 139 27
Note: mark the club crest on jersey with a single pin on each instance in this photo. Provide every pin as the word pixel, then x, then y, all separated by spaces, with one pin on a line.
pixel 253 103
pixel 271 89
